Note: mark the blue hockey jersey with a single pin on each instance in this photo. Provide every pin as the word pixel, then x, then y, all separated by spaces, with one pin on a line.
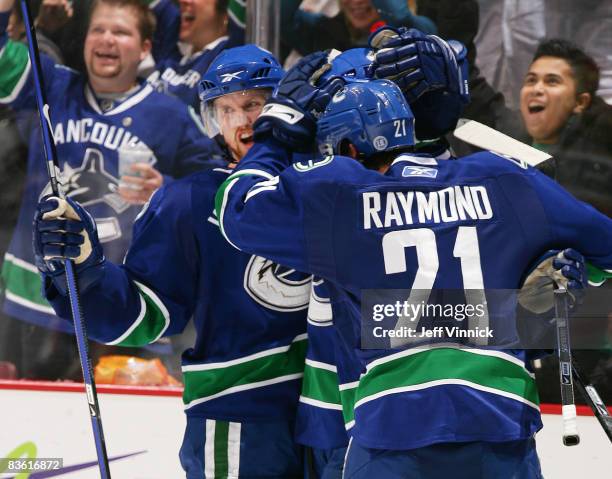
pixel 474 223
pixel 326 389
pixel 89 133
pixel 249 313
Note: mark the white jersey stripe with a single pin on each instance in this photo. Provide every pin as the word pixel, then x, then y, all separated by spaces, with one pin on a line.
pixel 28 304
pixel 209 449
pixel 445 382
pixel 244 387
pixel 244 359
pixel 320 365
pixel 467 349
pixel 233 450
pixel 321 404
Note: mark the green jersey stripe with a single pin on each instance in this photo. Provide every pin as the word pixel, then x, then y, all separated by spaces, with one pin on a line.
pixel 22 282
pixel 467 349
pixel 202 386
pixel 221 435
pixel 243 359
pixel 440 366
pixel 14 70
pixel 320 384
pixel 348 396
pixel 151 323
pixel 447 382
pixel 237 389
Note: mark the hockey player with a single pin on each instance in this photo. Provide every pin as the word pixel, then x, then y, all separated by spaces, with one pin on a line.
pixel 242 376
pixel 331 371
pixel 98 122
pixel 397 219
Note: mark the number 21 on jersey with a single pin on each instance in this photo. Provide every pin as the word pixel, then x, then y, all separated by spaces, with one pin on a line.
pixel 424 241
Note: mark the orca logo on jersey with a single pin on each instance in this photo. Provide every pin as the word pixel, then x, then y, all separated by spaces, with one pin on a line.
pixel 276 287
pixel 91 185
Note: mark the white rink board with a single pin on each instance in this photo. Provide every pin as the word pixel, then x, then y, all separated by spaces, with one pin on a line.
pixel 58 424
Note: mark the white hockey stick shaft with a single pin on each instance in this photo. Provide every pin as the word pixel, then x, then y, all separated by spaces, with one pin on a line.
pixel 487 138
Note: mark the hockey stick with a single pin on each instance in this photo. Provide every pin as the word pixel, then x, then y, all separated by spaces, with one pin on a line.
pixel 487 138
pixel 568 407
pixel 593 399
pixel 53 170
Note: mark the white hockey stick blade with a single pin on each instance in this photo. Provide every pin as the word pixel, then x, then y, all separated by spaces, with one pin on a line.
pixel 487 138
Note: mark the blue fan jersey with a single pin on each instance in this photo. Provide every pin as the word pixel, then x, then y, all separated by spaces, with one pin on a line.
pixel 427 223
pixel 178 68
pixel 249 313
pixel 89 133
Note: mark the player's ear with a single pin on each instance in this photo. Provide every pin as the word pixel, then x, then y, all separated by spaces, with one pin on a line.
pixel 145 49
pixel 583 100
pixel 346 148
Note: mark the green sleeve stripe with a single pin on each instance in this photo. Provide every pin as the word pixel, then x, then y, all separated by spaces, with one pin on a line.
pixel 23 284
pixel 223 192
pixel 151 323
pixel 221 202
pixel 597 276
pixel 221 196
pixel 236 10
pixel 420 369
pixel 348 397
pixel 14 70
pixel 207 384
pixel 320 384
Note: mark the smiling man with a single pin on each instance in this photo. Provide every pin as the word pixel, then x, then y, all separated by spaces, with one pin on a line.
pixel 204 31
pixel 564 117
pixel 97 120
pixel 561 82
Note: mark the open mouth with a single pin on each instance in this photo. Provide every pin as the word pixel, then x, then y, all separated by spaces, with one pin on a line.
pixel 246 138
pixel 535 108
pixel 187 18
pixel 106 56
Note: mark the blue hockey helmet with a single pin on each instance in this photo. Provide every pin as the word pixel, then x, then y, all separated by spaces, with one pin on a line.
pixel 234 70
pixel 372 115
pixel 352 64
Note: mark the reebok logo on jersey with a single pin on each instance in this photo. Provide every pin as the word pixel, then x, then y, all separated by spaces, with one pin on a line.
pixel 421 171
